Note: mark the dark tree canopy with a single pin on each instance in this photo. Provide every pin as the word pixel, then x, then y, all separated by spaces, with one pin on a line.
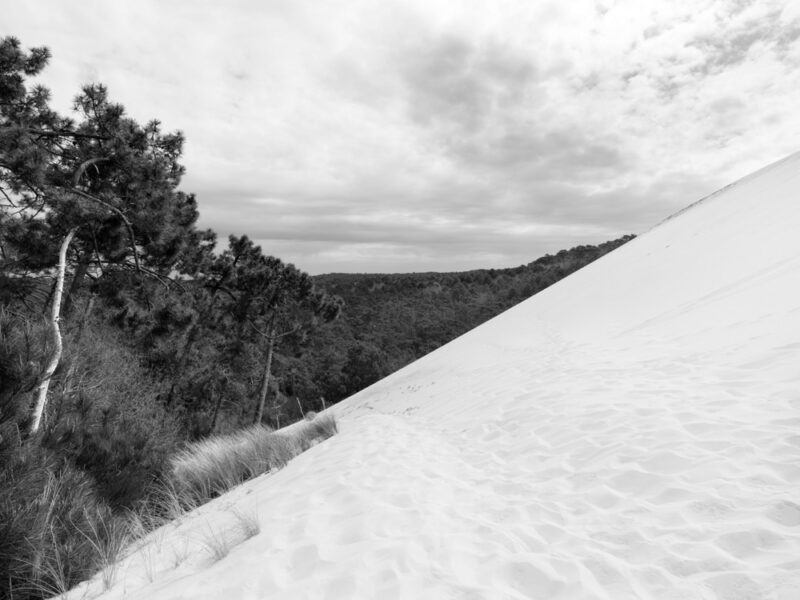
pixel 103 174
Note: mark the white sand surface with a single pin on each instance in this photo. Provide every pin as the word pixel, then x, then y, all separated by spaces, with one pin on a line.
pixel 631 432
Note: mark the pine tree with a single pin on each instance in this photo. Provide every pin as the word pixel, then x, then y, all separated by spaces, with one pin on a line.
pixel 101 193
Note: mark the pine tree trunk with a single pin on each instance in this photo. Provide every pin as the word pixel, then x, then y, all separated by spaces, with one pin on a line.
pixel 267 372
pixel 41 400
pixel 77 281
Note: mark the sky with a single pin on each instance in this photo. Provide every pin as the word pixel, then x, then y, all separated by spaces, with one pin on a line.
pixel 438 135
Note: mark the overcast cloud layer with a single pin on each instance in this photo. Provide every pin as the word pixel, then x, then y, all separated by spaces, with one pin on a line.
pixel 435 134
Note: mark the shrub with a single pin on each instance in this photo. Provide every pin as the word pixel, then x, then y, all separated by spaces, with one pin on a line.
pixel 109 422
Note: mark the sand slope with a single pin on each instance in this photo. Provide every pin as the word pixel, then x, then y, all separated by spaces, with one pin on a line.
pixel 631 432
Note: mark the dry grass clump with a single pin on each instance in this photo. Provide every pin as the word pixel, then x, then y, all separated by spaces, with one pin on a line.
pixel 217 543
pixel 315 430
pixel 210 467
pixel 54 532
pixel 248 522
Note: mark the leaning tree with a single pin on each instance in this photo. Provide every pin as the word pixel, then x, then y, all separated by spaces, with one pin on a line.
pixel 82 195
pixel 272 300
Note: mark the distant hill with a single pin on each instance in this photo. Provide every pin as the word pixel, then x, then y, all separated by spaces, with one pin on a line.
pixel 391 320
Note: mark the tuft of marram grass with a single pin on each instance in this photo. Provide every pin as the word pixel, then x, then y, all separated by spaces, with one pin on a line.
pixel 316 430
pixel 217 543
pixel 210 467
pixel 248 522
pixel 109 539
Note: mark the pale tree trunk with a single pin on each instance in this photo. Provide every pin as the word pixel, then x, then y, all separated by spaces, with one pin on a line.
pixel 41 400
pixel 77 281
pixel 267 372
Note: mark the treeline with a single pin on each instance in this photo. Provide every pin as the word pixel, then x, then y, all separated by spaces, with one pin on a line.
pixel 391 320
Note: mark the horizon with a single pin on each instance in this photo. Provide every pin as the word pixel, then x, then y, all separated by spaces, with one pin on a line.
pixel 508 268
pixel 433 137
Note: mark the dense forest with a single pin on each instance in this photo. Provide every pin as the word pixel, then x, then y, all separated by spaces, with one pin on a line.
pixel 126 331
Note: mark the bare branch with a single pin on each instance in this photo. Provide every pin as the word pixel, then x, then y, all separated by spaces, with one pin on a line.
pixel 273 335
pixel 116 211
pixel 256 329
pixel 294 329
pixel 164 280
pixel 76 179
pixel 7 197
pixel 217 287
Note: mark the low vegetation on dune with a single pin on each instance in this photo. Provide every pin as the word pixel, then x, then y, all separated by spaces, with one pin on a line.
pixel 52 525
pixel 66 535
pixel 212 466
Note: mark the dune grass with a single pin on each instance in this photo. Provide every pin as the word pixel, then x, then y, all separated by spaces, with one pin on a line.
pixel 37 534
pixel 248 522
pixel 54 532
pixel 210 467
pixel 217 543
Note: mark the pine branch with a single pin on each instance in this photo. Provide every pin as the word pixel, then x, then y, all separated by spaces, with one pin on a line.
pixel 59 133
pixel 7 197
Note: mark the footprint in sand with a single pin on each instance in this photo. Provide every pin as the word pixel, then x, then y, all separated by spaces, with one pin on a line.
pixel 743 544
pixel 735 586
pixel 708 510
pixel 635 482
pixel 304 561
pixel 666 462
pixel 341 587
pixel 529 580
pixel 683 567
pixel 785 512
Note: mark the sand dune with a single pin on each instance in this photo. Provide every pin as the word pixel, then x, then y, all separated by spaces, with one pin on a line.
pixel 631 432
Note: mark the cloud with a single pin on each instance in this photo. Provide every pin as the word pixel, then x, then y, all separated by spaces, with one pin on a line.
pixel 422 134
pixel 455 83
pixel 733 44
